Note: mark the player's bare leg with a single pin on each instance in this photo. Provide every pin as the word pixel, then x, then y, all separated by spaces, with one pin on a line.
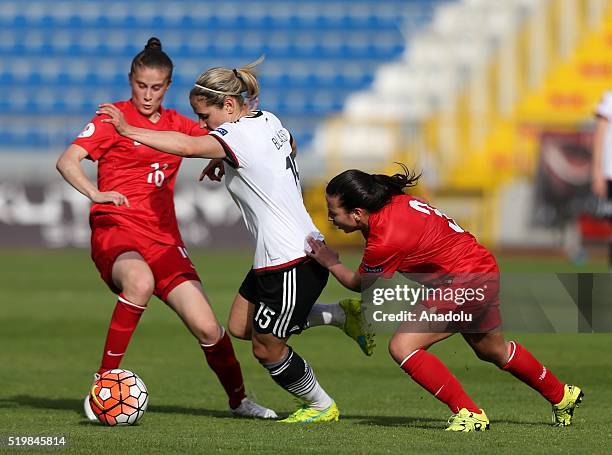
pixel 517 360
pixel 133 276
pixel 490 347
pixel 403 344
pixel 189 301
pixel 241 316
pixel 293 374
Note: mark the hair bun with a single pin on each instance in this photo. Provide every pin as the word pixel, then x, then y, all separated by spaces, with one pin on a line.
pixel 153 43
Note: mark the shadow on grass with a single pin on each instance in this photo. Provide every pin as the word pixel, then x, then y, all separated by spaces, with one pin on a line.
pixel 28 401
pixel 419 422
pixel 394 421
pixel 76 405
pixel 70 404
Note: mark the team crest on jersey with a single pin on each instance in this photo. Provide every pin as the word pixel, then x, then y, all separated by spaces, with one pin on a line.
pixel 88 131
pixel 221 131
pixel 368 269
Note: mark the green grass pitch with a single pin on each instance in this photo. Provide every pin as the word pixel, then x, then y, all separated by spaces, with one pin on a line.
pixel 54 313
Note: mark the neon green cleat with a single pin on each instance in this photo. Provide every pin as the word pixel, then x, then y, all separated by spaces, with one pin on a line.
pixel 466 421
pixel 357 327
pixel 307 415
pixel 564 410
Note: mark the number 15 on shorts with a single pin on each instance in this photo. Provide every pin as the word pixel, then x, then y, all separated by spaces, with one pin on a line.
pixel 264 316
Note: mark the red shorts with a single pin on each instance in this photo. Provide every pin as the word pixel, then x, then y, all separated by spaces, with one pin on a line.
pixel 479 313
pixel 169 263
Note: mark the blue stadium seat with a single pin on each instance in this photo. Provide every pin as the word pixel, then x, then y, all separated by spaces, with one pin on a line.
pixel 77 54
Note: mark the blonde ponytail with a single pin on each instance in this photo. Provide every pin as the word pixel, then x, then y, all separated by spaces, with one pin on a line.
pixel 217 83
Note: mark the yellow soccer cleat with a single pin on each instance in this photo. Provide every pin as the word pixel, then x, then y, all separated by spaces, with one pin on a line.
pixel 466 421
pixel 307 415
pixel 356 326
pixel 564 410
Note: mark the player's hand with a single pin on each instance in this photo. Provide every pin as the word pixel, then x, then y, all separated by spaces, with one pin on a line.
pixel 322 253
pixel 117 119
pixel 110 197
pixel 599 186
pixel 214 170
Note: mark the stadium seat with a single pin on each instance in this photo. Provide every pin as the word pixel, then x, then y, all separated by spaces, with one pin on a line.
pixel 317 53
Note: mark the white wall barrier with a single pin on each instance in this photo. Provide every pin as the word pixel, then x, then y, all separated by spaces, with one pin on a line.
pixel 52 214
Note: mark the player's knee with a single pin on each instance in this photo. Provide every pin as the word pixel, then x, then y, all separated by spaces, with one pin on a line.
pixel 139 287
pixel 143 288
pixel 397 350
pixel 208 334
pixel 266 351
pixel 261 352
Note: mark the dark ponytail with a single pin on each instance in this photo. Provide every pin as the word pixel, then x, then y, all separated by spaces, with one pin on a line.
pixel 152 56
pixel 358 189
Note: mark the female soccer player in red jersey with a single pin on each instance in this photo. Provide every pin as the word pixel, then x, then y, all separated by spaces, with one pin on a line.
pixel 135 241
pixel 404 234
pixel 277 296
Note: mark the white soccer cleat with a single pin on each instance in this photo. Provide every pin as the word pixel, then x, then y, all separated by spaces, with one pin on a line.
pixel 253 410
pixel 88 412
pixel 87 407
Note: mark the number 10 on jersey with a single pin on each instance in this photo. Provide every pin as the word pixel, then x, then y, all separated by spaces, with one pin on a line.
pixel 156 176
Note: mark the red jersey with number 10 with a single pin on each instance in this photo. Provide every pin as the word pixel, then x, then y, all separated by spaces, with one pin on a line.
pixel 407 235
pixel 142 174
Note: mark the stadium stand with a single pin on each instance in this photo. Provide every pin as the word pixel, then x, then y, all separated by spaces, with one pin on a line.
pixel 59 59
pixel 462 89
pixel 468 99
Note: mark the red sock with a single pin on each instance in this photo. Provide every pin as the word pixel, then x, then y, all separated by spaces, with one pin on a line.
pixel 431 374
pixel 524 366
pixel 123 323
pixel 223 362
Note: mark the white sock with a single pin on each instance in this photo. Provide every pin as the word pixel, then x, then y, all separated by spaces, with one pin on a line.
pixel 326 314
pixel 317 398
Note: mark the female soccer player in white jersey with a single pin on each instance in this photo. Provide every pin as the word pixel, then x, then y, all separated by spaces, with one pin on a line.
pixel 262 177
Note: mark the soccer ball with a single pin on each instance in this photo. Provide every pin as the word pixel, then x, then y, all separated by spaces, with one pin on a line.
pixel 118 397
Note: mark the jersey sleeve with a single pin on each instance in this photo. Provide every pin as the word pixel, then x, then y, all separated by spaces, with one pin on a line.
pixel 604 108
pixel 380 259
pixel 96 138
pixel 234 143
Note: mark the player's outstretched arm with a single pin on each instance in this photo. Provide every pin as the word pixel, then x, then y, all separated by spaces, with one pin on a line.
pixel 171 142
pixel 330 259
